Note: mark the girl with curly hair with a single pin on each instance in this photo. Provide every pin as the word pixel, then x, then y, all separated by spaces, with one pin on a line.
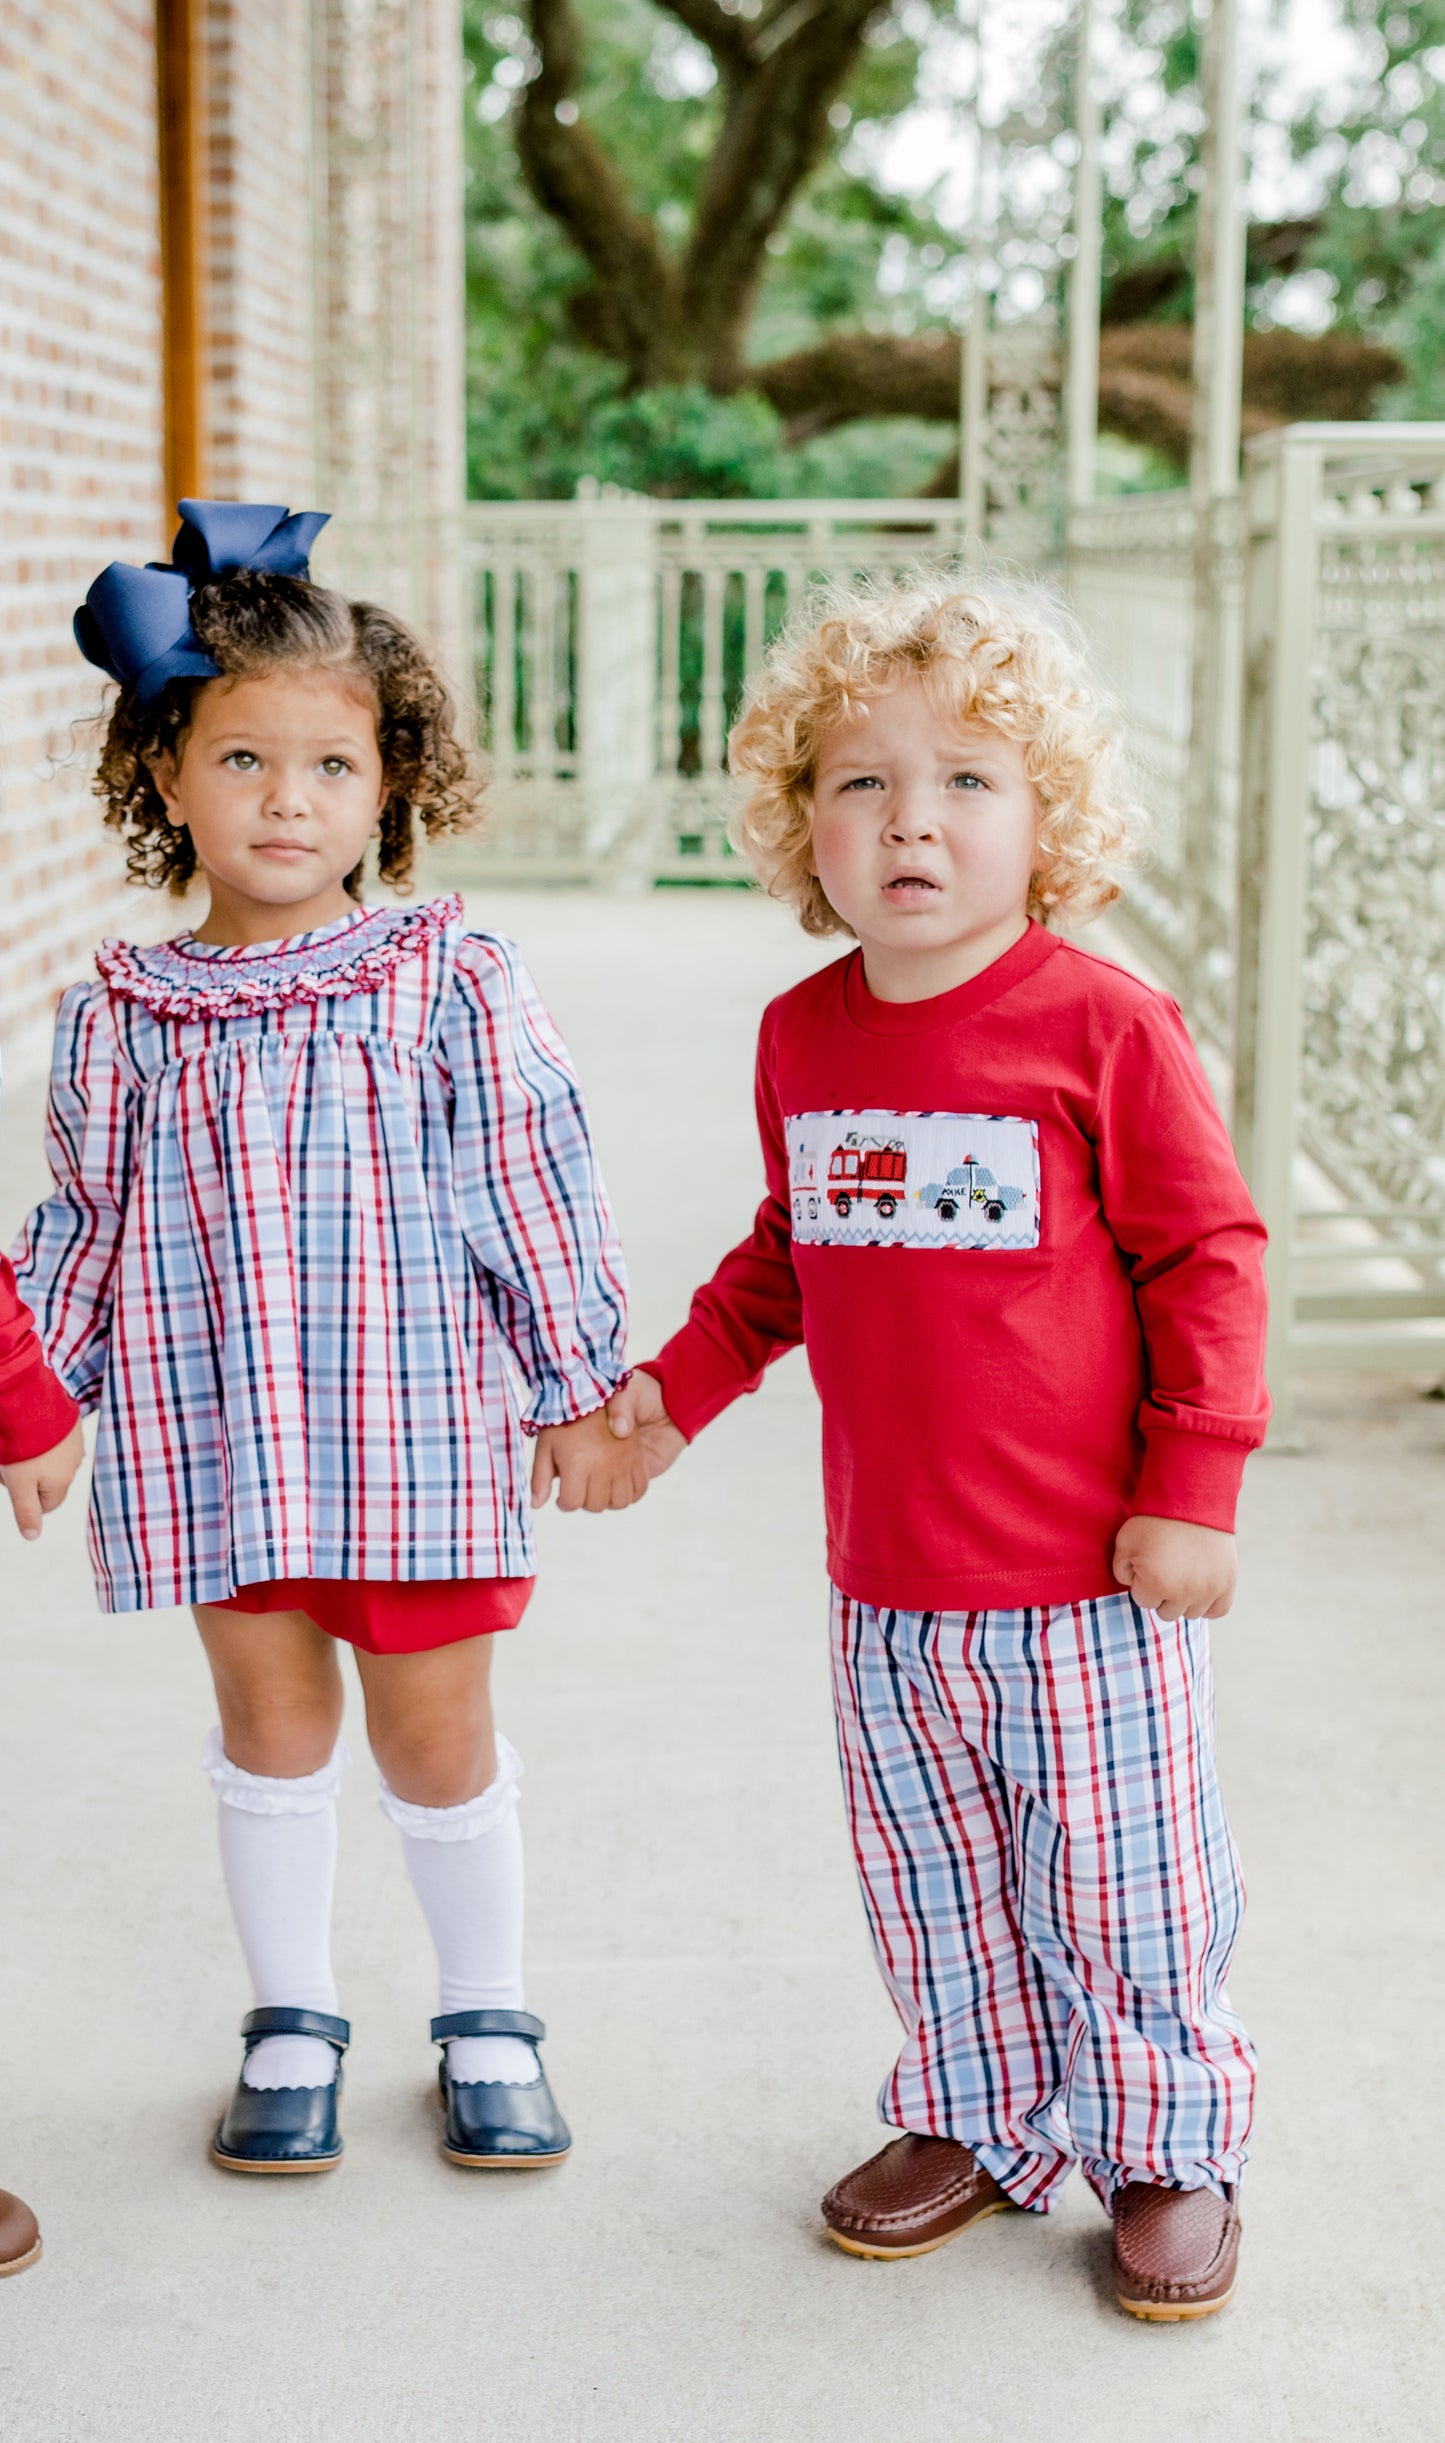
pixel 1003 1214
pixel 327 1239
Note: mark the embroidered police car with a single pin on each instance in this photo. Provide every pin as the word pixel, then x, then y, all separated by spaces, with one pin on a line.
pixel 972 1187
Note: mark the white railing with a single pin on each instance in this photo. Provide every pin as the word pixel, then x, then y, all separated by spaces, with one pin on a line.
pixel 1132 577
pixel 606 642
pixel 1341 1022
pixel 1295 900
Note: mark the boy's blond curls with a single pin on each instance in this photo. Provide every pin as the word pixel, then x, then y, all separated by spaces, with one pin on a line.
pixel 1006 656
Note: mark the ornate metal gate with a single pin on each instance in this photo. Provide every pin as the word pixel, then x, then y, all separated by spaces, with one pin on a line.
pixel 1341 1023
pixel 1295 901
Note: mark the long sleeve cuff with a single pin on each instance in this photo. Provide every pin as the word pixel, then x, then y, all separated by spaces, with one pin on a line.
pixel 1190 1476
pixel 700 1377
pixel 565 1399
pixel 36 1411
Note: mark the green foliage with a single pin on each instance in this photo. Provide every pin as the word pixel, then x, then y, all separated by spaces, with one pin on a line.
pixel 544 410
pixel 1370 168
pixel 1382 247
pixel 1128 466
pixel 681 442
pixel 1419 332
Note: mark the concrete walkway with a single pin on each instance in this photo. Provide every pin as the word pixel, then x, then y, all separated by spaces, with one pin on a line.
pixel 698 1947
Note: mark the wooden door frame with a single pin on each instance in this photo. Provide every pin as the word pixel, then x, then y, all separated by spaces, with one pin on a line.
pixel 181 128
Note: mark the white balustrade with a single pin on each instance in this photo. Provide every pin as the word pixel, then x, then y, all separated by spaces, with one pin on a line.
pixel 1131 573
pixel 1130 580
pixel 607 642
pixel 1340 1052
pixel 1303 926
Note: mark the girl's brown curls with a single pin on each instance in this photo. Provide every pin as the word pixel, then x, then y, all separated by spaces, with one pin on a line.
pixel 251 622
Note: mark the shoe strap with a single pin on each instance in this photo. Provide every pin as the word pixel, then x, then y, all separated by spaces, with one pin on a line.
pixel 488 2023
pixel 279 2020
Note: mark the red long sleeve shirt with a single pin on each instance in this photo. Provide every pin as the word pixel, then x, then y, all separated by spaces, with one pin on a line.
pixel 36 1410
pixel 1009 1226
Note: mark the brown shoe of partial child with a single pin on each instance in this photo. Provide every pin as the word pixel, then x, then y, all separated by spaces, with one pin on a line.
pixel 1175 2251
pixel 19 2234
pixel 916 2195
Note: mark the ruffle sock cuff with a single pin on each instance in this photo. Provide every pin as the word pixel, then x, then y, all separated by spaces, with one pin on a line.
pixel 472 1818
pixel 261 1794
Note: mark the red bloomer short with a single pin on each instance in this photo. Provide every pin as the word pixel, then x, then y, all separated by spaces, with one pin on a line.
pixel 393 1615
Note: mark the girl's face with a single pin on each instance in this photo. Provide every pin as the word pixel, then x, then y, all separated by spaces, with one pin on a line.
pixel 280 785
pixel 924 838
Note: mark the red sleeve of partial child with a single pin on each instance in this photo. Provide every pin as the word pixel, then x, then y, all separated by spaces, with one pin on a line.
pixel 36 1410
pixel 1177 1206
pixel 749 1312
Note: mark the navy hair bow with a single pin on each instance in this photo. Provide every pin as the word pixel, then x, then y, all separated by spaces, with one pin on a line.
pixel 135 623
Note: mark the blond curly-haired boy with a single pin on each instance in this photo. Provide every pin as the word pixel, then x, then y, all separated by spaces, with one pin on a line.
pixel 1003 1214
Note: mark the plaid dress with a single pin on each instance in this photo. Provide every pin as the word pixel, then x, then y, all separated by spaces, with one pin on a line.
pixel 327 1226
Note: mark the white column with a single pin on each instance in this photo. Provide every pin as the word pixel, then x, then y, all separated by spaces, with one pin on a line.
pixel 1281 613
pixel 973 367
pixel 973 449
pixel 1082 391
pixel 390 338
pixel 1214 485
pixel 617 668
pixel 1219 266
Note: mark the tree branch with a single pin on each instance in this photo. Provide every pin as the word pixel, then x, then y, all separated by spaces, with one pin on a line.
pixel 1144 382
pixel 629 310
pixel 1137 293
pixel 774 131
pixel 1145 373
pixel 726 37
pixel 780 73
pixel 856 374
pixel 781 23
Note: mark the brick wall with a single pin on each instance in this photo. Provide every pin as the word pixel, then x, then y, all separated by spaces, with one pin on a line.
pixel 390 301
pixel 261 411
pixel 333 367
pixel 80 455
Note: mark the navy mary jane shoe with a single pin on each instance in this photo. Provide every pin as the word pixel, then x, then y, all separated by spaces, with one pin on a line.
pixel 490 2126
pixel 283 2129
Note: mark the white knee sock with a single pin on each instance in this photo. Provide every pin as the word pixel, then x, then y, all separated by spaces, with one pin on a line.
pixel 465 1865
pixel 278 1852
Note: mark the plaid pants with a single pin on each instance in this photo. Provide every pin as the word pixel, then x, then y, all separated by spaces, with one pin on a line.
pixel 1051 1887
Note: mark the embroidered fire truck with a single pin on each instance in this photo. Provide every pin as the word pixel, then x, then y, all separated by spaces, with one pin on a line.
pixel 863 1171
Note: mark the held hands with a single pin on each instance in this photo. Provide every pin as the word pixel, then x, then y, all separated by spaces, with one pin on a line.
pixel 608 1460
pixel 637 1412
pixel 1180 1571
pixel 36 1486
pixel 591 1469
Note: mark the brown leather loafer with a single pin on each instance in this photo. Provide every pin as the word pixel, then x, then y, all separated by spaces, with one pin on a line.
pixel 916 2195
pixel 19 2234
pixel 1175 2251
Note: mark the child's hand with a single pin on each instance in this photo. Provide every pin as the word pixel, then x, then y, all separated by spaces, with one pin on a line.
pixel 38 1485
pixel 638 1409
pixel 590 1467
pixel 1180 1571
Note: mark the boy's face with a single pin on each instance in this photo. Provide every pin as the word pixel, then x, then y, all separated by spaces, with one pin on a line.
pixel 924 838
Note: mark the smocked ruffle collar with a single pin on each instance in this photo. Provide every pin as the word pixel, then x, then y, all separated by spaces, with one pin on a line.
pixel 190 979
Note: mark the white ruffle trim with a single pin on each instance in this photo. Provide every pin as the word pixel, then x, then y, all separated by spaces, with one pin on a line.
pixel 472 1818
pixel 258 1794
